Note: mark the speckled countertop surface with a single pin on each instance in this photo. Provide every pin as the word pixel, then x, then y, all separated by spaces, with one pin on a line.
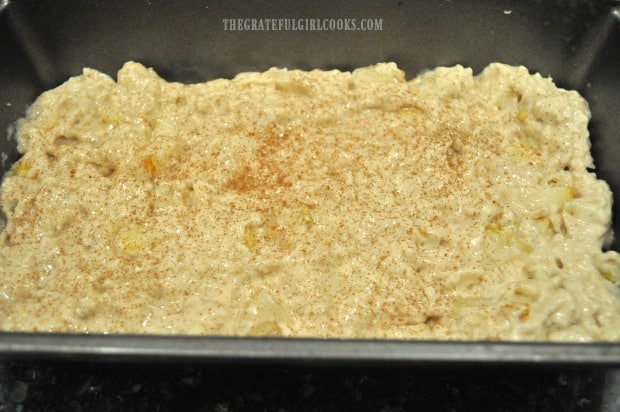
pixel 78 386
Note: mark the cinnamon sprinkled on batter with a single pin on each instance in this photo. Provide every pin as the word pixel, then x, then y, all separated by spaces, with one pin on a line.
pixel 320 203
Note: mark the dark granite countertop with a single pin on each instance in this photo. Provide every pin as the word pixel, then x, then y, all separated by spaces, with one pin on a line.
pixel 78 386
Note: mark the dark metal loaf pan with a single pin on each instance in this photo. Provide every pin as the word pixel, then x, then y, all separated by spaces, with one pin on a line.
pixel 575 42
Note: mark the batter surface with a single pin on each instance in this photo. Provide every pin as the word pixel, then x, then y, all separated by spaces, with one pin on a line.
pixel 321 203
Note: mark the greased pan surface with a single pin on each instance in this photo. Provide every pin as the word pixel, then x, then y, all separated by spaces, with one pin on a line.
pixel 42 43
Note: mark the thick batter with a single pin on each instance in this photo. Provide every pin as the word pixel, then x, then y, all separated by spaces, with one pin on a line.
pixel 322 203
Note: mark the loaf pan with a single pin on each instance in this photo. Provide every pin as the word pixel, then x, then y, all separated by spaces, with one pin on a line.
pixel 577 43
